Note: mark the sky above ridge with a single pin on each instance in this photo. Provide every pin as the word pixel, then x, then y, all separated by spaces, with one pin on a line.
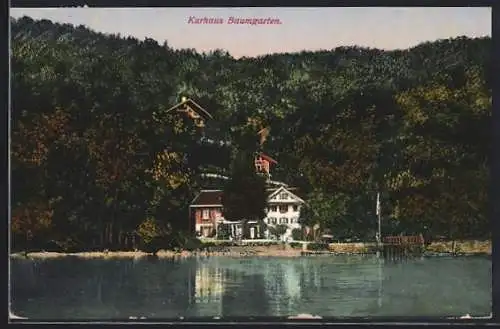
pixel 300 28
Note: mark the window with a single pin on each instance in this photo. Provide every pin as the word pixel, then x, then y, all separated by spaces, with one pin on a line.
pixel 273 208
pixel 283 209
pixel 205 214
pixel 273 220
pixel 284 220
pixel 295 207
pixel 284 196
pixel 294 220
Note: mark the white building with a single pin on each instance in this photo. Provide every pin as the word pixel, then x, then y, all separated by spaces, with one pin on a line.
pixel 283 207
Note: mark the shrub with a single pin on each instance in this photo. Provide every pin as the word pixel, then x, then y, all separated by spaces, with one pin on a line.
pixel 223 232
pixel 69 245
pixel 208 244
pixel 297 234
pixel 192 244
pixel 152 246
pixel 280 230
pixel 174 241
pixel 154 235
pixel 296 245
pixel 52 246
pixel 317 246
pixel 226 244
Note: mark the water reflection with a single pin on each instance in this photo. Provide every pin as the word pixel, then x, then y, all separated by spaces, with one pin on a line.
pixel 288 287
pixel 209 289
pixel 328 286
pixel 380 278
pixel 209 284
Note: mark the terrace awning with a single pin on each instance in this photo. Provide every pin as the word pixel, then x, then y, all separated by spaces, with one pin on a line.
pixel 224 221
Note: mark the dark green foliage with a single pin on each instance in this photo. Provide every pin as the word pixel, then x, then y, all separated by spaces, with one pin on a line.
pixel 95 158
pixel 317 246
pixel 297 234
pixel 154 245
pixel 226 244
pixel 279 230
pixel 192 244
pixel 208 245
pixel 183 240
pixel 223 232
pixel 245 195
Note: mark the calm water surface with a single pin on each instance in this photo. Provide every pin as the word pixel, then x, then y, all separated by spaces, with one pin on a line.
pixel 341 286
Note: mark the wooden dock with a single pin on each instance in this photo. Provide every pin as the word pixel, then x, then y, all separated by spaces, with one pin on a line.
pixel 395 247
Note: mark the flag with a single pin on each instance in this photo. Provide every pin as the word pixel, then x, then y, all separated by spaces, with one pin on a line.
pixel 378 204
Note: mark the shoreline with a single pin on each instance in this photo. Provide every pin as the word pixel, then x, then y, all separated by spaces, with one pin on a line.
pixel 160 254
pixel 240 251
pixel 186 254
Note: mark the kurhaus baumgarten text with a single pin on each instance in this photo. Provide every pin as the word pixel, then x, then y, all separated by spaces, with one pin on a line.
pixel 234 20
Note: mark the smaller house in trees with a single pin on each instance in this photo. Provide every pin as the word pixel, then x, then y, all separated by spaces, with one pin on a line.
pixel 263 164
pixel 192 110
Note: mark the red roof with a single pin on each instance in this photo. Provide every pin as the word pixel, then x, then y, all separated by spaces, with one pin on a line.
pixel 208 197
pixel 268 158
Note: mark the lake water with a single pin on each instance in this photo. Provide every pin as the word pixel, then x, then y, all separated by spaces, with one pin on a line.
pixel 337 286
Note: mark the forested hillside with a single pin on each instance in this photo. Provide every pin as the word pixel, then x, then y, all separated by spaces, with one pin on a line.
pixel 95 158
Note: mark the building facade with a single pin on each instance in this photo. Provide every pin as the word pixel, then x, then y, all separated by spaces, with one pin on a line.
pixel 205 210
pixel 283 207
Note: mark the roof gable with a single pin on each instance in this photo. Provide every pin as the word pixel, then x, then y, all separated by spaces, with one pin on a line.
pixel 191 104
pixel 268 158
pixel 208 198
pixel 274 195
pixel 271 191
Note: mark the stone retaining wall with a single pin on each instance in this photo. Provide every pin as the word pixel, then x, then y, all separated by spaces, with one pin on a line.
pixel 352 248
pixel 460 247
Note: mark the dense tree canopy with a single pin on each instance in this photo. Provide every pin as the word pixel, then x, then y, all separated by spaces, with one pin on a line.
pixel 245 196
pixel 96 160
